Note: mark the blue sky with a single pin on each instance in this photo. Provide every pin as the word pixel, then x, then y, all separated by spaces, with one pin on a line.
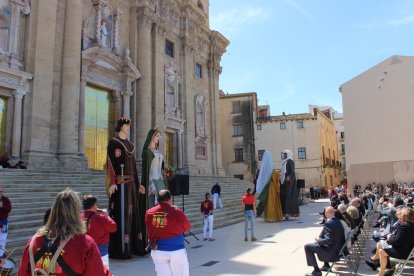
pixel 298 52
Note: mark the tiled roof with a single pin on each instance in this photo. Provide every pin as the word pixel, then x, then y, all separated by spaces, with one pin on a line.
pixel 288 117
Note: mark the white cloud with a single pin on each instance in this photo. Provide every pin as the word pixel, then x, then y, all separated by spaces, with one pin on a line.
pixel 299 9
pixel 401 21
pixel 233 21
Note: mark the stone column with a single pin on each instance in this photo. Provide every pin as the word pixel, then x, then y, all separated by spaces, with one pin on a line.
pixel 180 149
pixel 126 110
pixel 81 138
pixel 126 100
pixel 70 89
pixel 37 147
pixel 116 32
pixel 143 101
pixel 116 98
pixel 17 123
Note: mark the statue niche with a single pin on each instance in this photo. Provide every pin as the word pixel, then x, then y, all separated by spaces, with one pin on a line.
pixel 171 79
pixel 5 12
pixel 101 25
pixel 200 116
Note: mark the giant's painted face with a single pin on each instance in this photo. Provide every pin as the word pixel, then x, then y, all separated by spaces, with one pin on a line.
pixel 156 137
pixel 125 128
pixel 287 154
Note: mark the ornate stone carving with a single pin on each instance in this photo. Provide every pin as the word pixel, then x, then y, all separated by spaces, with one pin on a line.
pixel 10 12
pixel 171 91
pixel 108 70
pixel 163 8
pixel 5 15
pixel 101 26
pixel 200 116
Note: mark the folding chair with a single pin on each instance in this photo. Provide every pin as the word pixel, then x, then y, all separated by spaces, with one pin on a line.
pixel 401 263
pixel 345 254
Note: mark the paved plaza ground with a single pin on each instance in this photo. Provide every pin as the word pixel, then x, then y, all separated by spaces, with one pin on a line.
pixel 278 251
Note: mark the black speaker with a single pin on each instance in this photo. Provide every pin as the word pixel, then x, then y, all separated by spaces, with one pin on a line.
pixel 179 184
pixel 301 183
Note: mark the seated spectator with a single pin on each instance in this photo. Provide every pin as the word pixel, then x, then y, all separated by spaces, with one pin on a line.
pixel 371 199
pixel 354 213
pixel 347 228
pixel 346 215
pixel 334 203
pixel 79 255
pixel 4 161
pixel 343 198
pixel 98 225
pixel 383 233
pixel 398 244
pixel 388 211
pixel 327 245
pixel 364 201
pixel 356 202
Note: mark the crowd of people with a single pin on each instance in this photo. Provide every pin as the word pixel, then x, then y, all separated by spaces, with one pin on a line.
pixel 394 238
pixel 141 218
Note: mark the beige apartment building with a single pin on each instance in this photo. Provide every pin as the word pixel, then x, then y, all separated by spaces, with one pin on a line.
pixel 69 69
pixel 338 120
pixel 312 139
pixel 238 113
pixel 378 113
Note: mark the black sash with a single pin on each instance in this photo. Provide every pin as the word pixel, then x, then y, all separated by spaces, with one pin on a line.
pixel 52 247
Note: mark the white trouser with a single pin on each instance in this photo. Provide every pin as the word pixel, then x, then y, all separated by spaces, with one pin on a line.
pixel 208 221
pixel 171 263
pixel 217 196
pixel 3 239
pixel 105 261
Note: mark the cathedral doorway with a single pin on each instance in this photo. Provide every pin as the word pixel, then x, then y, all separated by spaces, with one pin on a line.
pixel 99 124
pixel 169 150
pixel 3 122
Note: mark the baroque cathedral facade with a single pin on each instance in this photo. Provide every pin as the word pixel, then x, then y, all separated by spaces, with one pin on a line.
pixel 70 68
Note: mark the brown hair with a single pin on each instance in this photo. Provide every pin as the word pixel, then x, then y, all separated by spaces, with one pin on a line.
pixel 64 220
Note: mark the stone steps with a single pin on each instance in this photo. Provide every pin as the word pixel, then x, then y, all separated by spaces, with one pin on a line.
pixel 32 192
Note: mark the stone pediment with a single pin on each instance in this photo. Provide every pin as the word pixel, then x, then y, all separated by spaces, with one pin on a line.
pixel 108 60
pixel 13 79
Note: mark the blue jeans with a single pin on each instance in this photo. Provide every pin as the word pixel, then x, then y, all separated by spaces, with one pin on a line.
pixel 248 215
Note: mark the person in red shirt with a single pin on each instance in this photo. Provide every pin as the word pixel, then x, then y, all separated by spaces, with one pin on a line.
pixel 98 225
pixel 80 255
pixel 5 209
pixel 249 208
pixel 206 208
pixel 166 225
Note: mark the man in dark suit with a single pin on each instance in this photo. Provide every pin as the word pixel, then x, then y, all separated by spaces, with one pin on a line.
pixel 327 245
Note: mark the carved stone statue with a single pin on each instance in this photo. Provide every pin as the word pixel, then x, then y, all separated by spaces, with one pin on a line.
pixel 104 35
pixel 4 28
pixel 100 26
pixel 171 93
pixel 200 108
